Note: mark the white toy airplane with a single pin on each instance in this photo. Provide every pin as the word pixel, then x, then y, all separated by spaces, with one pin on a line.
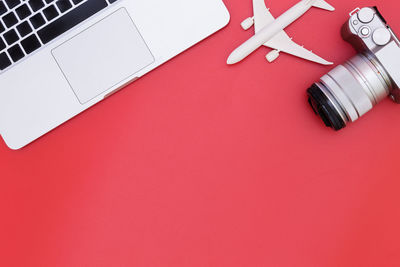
pixel 270 32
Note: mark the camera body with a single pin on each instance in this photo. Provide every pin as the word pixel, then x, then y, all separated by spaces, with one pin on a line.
pixel 352 89
pixel 368 32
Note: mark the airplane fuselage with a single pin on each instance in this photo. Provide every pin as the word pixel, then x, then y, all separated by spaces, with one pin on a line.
pixel 269 31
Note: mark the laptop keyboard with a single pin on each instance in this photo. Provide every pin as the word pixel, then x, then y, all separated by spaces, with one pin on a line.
pixel 27 25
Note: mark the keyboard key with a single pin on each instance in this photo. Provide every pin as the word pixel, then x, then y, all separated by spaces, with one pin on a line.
pixel 2 45
pixel 23 12
pixel 16 53
pixel 11 37
pixel 63 5
pixel 71 19
pixel 24 29
pixel 4 61
pixel 36 5
pixel 3 8
pixel 30 44
pixel 76 1
pixel 50 12
pixel 10 19
pixel 12 3
pixel 2 29
pixel 37 21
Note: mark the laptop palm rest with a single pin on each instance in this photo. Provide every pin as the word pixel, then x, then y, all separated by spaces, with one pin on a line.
pixel 102 56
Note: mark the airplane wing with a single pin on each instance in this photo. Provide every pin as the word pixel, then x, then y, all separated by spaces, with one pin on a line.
pixel 281 42
pixel 262 16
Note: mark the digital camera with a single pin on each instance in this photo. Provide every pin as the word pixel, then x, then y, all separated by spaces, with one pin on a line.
pixel 352 89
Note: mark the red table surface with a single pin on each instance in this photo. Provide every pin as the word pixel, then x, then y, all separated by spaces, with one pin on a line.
pixel 204 164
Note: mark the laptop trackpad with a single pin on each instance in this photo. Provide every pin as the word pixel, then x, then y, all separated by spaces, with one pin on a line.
pixel 103 55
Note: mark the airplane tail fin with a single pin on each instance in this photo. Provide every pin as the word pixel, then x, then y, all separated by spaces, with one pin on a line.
pixel 323 5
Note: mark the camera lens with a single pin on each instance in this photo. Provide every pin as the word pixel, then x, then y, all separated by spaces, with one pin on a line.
pixel 349 91
pixel 324 108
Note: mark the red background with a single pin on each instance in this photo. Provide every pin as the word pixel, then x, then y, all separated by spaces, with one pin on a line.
pixel 202 164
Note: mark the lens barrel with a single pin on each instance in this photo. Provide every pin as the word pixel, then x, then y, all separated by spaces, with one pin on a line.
pixel 349 91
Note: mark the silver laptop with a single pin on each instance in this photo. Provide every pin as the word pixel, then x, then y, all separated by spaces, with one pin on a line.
pixel 59 57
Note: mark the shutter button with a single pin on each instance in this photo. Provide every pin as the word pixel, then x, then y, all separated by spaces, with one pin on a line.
pixel 365 31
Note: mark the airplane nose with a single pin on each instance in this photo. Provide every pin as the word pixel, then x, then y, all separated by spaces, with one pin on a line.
pixel 230 61
pixel 233 58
